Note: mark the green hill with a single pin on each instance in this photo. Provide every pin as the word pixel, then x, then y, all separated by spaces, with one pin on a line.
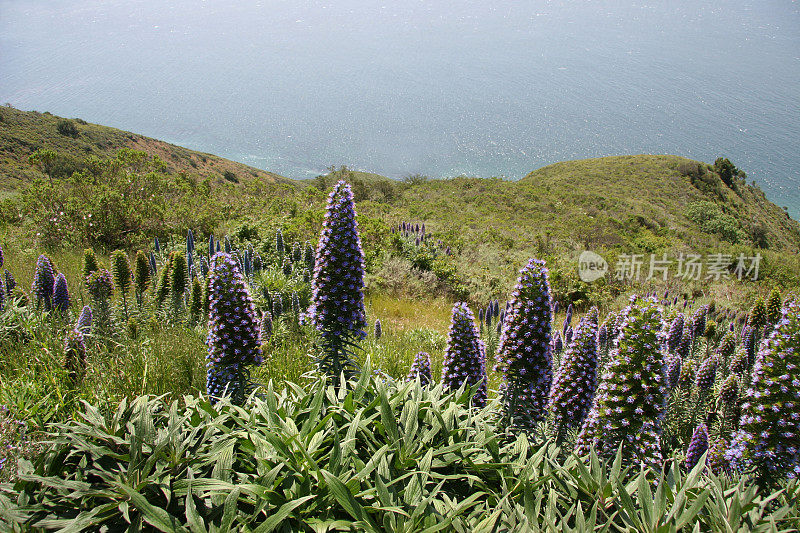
pixel 639 204
pixel 24 132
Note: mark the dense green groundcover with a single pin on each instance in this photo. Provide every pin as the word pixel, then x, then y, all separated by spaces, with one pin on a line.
pixel 376 455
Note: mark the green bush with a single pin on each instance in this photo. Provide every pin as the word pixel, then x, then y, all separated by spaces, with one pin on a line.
pixel 373 456
pixel 67 127
pixel 711 219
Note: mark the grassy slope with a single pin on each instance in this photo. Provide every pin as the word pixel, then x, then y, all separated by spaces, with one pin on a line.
pixel 24 132
pixel 630 204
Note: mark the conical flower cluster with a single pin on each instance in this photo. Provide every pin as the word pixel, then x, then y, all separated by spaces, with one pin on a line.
pixel 706 374
pixel 769 430
pixel 421 369
pixel 630 401
pixel 74 356
pixel 101 287
pixel 465 356
pixel 84 324
pixel 43 283
pixel 675 333
pixel 524 351
pixel 697 446
pixel 61 294
pixel 233 336
pixel 337 299
pixel 575 382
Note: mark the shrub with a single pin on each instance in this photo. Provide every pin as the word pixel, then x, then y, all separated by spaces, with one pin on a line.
pixel 711 219
pixel 67 128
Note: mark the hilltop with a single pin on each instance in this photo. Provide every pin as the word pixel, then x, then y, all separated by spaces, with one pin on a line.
pixel 24 132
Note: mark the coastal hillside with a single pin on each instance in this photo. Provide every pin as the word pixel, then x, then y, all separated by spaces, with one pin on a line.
pixel 636 204
pixel 22 133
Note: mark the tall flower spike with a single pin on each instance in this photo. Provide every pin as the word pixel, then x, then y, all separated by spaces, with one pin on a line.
pixel 378 329
pixel 89 262
pixel 630 399
pixel 465 356
pixel 61 294
pixel 726 347
pixel 11 283
pixel 2 259
pixel 773 306
pixel 84 324
pixel 768 439
pixel 675 333
pixel 233 336
pixel 574 384
pixel 706 374
pixel 43 283
pixel 143 276
pixel 337 298
pixel 673 370
pixel 697 446
pixel 279 246
pixel 421 369
pixel 524 350
pixel 265 330
pixel 758 315
pixel 121 268
pixel 75 356
pixel 101 287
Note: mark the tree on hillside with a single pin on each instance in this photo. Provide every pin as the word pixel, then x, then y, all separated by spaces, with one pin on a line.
pixel 726 170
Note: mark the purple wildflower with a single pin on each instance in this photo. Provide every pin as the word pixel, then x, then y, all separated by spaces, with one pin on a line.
pixel 421 369
pixel 576 379
pixel 337 308
pixel 524 352
pixel 84 324
pixel 61 294
pixel 675 333
pixel 768 438
pixel 629 403
pixel 465 356
pixel 697 446
pixel 233 336
pixel 43 283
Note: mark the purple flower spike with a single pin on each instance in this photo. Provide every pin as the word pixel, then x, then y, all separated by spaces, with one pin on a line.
pixel 84 324
pixel 630 399
pixel 697 446
pixel 675 333
pixel 43 283
pixel 421 369
pixel 574 384
pixel 706 374
pixel 337 299
pixel 768 439
pixel 465 355
pixel 61 294
pixel 524 351
pixel 233 335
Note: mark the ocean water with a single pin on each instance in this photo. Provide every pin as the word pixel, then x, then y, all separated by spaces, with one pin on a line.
pixel 435 87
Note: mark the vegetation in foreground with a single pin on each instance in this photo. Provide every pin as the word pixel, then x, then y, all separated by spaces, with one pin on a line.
pixel 664 412
pixel 353 449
